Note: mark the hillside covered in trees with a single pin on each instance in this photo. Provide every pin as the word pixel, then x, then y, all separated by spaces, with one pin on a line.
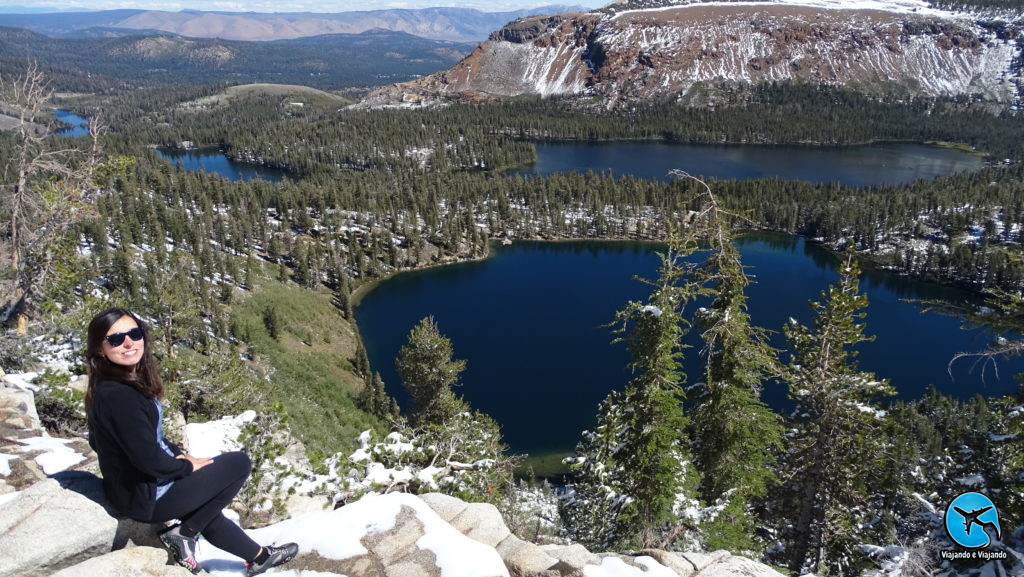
pixel 448 162
pixel 333 61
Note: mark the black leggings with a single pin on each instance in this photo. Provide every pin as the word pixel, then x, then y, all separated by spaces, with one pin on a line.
pixel 199 499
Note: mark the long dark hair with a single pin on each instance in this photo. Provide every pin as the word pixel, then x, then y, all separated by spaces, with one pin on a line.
pixel 145 378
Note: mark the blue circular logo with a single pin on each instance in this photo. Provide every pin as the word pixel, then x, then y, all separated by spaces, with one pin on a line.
pixel 972 521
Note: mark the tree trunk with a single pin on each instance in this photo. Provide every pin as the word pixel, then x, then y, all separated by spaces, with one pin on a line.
pixel 808 506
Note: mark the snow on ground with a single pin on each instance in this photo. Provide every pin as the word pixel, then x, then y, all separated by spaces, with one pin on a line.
pixel 7 498
pixel 924 501
pixel 615 567
pixel 5 464
pixel 972 481
pixel 57 456
pixel 898 6
pixel 22 381
pixel 378 474
pixel 213 438
pixel 337 534
pixel 60 356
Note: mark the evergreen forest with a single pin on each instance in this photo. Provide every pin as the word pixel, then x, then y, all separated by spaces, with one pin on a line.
pixel 99 64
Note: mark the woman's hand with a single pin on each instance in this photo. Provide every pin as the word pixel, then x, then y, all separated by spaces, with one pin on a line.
pixel 197 463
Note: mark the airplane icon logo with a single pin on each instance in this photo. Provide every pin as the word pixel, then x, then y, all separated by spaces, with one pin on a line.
pixel 968 511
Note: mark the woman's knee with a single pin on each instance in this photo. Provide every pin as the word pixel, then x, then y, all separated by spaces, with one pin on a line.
pixel 235 461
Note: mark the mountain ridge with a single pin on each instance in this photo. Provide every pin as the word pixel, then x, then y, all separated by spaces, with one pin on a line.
pixel 442 23
pixel 331 61
pixel 682 51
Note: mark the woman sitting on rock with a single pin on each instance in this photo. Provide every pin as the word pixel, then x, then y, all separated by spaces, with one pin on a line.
pixel 146 477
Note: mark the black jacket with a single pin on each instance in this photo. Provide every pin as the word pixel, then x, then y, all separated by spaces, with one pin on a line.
pixel 122 431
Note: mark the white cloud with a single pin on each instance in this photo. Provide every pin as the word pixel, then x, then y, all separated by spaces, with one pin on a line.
pixel 227 6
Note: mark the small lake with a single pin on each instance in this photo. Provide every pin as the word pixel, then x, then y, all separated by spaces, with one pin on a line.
pixel 79 125
pixel 210 160
pixel 214 161
pixel 529 322
pixel 866 165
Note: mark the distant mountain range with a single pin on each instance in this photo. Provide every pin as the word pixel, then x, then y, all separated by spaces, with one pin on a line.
pixel 15 9
pixel 335 61
pixel 449 24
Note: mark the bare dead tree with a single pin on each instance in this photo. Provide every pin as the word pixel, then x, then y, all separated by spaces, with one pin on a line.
pixel 44 188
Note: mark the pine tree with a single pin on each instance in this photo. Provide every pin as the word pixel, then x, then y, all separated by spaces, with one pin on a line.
pixel 835 438
pixel 343 295
pixel 640 457
pixel 362 361
pixel 455 438
pixel 175 305
pixel 591 507
pixel 302 274
pixel 655 453
pixel 736 433
pixel 272 322
pixel 123 275
pixel 374 399
pixel 428 372
pixel 250 272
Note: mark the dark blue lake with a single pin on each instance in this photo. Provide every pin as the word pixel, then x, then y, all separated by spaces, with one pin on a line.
pixel 529 322
pixel 214 161
pixel 867 165
pixel 79 125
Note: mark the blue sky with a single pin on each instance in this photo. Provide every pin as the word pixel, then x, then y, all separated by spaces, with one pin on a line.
pixel 293 5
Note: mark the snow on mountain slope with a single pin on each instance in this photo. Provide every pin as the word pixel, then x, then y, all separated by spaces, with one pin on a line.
pixel 896 6
pixel 620 53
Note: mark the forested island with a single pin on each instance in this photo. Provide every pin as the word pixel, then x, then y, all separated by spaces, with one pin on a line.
pixel 250 286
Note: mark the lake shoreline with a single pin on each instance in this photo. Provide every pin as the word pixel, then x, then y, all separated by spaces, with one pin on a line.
pixel 808 143
pixel 494 314
pixel 864 258
pixel 365 288
pixel 874 163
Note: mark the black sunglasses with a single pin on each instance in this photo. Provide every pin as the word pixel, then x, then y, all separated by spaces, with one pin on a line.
pixel 117 339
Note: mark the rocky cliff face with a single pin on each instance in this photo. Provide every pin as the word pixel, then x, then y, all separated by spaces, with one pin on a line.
pixel 680 51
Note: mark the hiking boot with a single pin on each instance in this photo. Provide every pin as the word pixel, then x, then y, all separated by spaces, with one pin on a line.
pixel 275 557
pixel 182 548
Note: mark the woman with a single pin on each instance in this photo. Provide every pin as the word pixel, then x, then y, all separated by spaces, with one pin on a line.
pixel 147 477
